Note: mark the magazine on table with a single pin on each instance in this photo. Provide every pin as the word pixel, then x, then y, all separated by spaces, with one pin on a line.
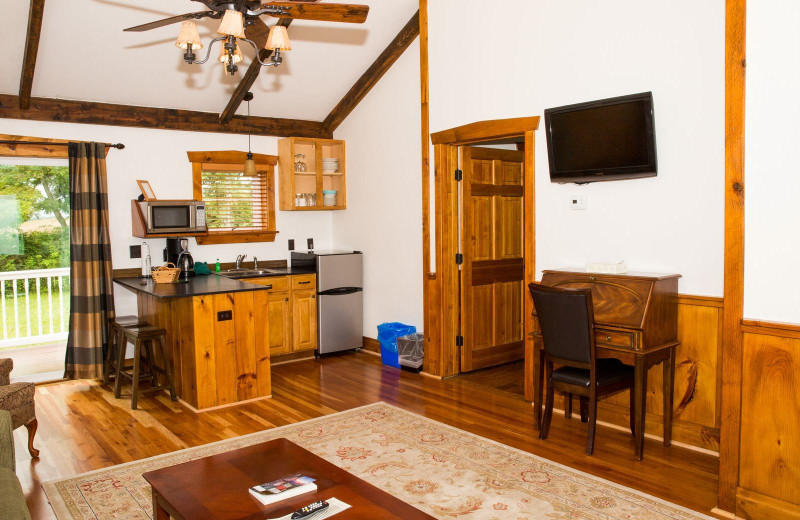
pixel 283 488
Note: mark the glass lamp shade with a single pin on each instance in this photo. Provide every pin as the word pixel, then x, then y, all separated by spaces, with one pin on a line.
pixel 189 35
pixel 278 39
pixel 223 55
pixel 250 166
pixel 232 24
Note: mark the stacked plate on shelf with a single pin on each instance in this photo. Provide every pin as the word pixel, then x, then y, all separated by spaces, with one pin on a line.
pixel 330 165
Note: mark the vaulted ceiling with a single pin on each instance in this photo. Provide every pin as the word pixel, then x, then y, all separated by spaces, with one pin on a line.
pixel 84 55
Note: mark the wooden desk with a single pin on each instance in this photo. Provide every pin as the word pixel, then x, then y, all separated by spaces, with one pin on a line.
pixel 636 321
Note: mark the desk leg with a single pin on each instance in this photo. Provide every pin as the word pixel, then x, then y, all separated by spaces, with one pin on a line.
pixel 159 513
pixel 538 380
pixel 669 384
pixel 640 387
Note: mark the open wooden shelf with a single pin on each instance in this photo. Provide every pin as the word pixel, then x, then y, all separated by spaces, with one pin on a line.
pixel 314 180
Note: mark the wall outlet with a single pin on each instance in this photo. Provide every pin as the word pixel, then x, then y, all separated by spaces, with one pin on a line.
pixel 580 202
pixel 310 243
pixel 291 244
pixel 136 251
pixel 224 315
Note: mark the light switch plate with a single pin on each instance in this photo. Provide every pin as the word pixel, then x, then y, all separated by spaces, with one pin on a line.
pixel 580 202
pixel 136 251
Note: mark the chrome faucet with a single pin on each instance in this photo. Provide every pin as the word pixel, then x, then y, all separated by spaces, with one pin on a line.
pixel 255 263
pixel 239 261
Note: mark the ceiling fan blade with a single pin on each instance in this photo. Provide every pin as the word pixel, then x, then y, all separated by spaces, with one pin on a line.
pixel 170 20
pixel 349 13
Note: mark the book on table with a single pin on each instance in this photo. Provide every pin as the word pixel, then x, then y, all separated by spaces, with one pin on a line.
pixel 283 488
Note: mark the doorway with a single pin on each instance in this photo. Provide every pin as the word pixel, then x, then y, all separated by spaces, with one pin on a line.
pixel 477 313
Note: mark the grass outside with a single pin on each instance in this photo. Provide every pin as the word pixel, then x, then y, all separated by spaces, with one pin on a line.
pixel 37 309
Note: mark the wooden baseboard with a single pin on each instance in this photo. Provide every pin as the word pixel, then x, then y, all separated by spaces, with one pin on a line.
pixel 228 405
pixel 754 506
pixel 291 358
pixel 371 345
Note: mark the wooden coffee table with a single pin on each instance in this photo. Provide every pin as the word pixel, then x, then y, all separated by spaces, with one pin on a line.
pixel 216 487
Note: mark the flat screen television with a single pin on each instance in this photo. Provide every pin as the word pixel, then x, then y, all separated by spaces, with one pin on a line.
pixel 604 140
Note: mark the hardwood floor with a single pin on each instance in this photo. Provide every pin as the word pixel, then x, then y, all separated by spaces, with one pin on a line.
pixel 82 427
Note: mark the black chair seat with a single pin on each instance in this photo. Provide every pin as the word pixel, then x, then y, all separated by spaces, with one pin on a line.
pixel 609 372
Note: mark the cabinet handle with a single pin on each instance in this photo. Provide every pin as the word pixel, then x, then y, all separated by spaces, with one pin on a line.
pixel 303 283
pixel 286 299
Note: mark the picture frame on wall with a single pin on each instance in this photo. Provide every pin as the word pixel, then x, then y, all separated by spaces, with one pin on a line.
pixel 147 190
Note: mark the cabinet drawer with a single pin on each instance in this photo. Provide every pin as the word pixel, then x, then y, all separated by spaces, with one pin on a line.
pixel 614 338
pixel 304 281
pixel 274 283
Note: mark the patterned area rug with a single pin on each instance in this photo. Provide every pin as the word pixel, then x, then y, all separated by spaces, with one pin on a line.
pixel 444 471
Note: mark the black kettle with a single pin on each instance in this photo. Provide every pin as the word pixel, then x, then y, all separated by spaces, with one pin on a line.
pixel 186 264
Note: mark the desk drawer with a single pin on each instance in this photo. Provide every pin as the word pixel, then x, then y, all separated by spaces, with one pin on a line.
pixel 614 338
pixel 306 281
pixel 273 283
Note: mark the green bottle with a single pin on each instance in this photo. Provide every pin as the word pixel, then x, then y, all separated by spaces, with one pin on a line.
pixel 218 267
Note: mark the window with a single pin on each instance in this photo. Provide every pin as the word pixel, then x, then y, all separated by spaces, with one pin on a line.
pixel 239 208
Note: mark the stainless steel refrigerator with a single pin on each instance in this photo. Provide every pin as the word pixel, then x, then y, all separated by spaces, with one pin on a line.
pixel 340 308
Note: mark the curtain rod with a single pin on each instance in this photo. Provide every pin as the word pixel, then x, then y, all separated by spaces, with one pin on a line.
pixel 118 146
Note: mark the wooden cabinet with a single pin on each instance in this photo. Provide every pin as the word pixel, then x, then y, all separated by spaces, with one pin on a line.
pixel 304 319
pixel 305 169
pixel 291 313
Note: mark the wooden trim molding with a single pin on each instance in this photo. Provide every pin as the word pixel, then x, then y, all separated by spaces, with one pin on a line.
pixel 486 131
pixel 733 310
pixel 373 74
pixel 31 50
pixel 752 505
pixel 771 328
pixel 87 112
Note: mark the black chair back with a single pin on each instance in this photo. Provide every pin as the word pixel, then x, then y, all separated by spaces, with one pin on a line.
pixel 566 320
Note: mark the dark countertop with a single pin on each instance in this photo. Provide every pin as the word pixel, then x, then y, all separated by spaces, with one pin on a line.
pixel 201 285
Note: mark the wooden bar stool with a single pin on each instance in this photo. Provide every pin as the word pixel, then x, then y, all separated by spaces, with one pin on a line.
pixel 143 338
pixel 116 340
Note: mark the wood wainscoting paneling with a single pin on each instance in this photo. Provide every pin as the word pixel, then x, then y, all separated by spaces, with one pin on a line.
pixel 697 380
pixel 769 452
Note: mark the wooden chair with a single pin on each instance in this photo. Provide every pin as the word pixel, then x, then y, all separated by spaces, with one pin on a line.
pixel 116 340
pixel 566 320
pixel 18 400
pixel 143 338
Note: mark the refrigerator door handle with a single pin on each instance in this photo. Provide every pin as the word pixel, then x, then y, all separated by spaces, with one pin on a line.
pixel 340 291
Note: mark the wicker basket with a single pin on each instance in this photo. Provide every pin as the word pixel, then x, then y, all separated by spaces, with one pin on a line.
pixel 165 273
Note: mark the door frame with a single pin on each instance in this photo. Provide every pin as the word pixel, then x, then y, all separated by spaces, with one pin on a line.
pixel 441 287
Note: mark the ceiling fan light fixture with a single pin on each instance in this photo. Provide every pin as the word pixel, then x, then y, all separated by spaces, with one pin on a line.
pixel 225 58
pixel 232 24
pixel 189 36
pixel 278 39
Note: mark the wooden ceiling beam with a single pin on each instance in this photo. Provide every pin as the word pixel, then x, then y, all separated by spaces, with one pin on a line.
pixel 373 74
pixel 88 112
pixel 31 50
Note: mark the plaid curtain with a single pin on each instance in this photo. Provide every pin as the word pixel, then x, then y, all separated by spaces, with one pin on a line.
pixel 91 294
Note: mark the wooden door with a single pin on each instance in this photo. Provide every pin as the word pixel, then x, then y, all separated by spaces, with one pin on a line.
pixel 280 323
pixel 304 319
pixel 492 273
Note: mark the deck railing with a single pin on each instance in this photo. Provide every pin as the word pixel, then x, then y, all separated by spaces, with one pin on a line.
pixel 35 306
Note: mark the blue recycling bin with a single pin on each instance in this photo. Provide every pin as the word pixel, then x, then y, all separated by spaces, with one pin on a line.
pixel 387 337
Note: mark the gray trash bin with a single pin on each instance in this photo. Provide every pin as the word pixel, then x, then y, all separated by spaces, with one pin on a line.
pixel 411 350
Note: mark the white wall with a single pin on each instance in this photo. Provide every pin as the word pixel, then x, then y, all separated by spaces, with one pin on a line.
pixel 160 156
pixel 485 64
pixel 384 191
pixel 772 212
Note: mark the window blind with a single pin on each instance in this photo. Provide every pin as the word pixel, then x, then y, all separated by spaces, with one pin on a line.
pixel 234 201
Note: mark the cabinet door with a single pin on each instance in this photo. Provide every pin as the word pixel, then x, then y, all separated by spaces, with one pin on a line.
pixel 304 319
pixel 280 323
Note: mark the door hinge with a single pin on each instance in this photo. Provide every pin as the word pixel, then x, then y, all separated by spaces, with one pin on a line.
pixel 459 258
pixel 459 341
pixel 459 175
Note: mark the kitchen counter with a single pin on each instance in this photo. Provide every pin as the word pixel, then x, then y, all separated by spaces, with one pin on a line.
pixel 195 286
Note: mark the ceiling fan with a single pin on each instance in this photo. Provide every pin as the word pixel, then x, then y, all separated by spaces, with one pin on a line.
pixel 241 21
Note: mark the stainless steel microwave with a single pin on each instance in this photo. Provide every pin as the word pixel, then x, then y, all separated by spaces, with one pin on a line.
pixel 175 216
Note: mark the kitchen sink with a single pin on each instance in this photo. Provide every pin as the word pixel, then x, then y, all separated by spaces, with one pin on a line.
pixel 247 273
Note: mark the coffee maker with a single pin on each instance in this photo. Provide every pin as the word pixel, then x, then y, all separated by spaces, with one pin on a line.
pixel 177 252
